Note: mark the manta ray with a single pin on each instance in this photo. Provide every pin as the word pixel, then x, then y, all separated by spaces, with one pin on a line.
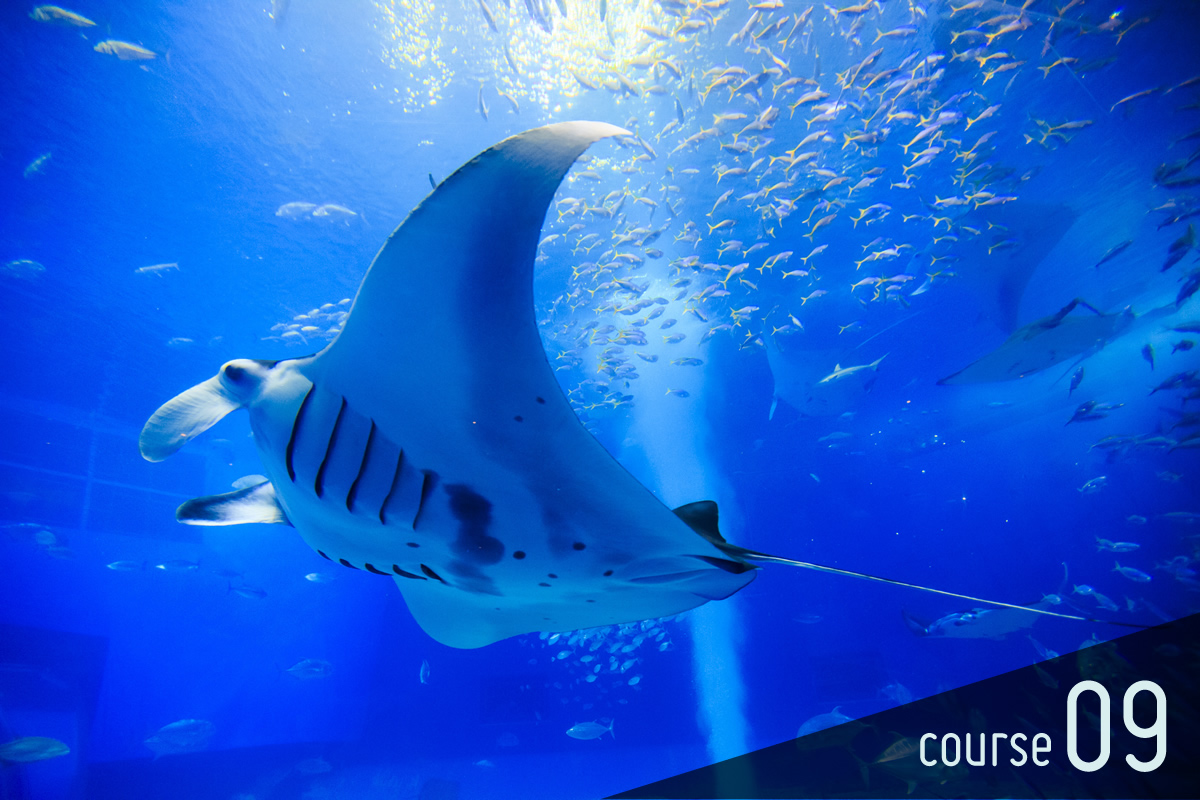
pixel 1044 343
pixel 430 442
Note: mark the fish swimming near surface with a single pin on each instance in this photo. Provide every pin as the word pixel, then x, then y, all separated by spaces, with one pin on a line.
pixel 430 442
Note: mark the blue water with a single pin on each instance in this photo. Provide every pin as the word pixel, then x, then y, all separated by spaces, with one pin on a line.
pixel 974 489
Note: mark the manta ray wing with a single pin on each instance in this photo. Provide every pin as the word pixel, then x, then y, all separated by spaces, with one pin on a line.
pixel 431 442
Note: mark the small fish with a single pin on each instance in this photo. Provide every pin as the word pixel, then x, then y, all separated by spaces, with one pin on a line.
pixel 248 592
pixel 125 50
pixel 1135 575
pixel 483 109
pixel 318 577
pixel 1085 413
pixel 126 566
pixel 590 730
pixel 1044 652
pixel 22 268
pixel 60 16
pixel 178 565
pixel 32 748
pixel 1114 252
pixel 822 721
pixel 182 736
pixel 1076 379
pixel 1094 485
pixel 310 668
pixel 1115 547
pixel 157 269
pixel 1148 354
pixel 424 672
pixel 488 16
pixel 36 165
pixel 512 101
pixel 1185 345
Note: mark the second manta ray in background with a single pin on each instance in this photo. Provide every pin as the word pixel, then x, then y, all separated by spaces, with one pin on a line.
pixel 431 443
pixel 1044 343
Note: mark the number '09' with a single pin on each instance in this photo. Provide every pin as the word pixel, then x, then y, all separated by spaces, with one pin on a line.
pixel 1158 730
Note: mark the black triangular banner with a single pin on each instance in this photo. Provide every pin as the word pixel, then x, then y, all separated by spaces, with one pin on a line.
pixel 888 754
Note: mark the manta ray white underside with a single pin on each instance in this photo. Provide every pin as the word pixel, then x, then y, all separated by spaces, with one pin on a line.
pixel 430 441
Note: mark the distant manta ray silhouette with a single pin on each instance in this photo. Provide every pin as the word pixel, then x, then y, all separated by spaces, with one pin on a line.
pixel 430 441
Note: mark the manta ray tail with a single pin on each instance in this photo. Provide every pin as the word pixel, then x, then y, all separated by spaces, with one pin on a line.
pixel 702 518
pixel 754 555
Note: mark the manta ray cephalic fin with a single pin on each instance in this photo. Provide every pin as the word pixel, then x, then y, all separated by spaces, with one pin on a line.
pixel 253 504
pixel 184 417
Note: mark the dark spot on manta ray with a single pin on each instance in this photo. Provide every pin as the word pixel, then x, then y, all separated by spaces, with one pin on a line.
pixel 396 569
pixel 412 544
pixel 371 568
pixel 474 514
pixel 541 400
pixel 519 554
pixel 346 563
pixel 321 553
pixel 607 572
pixel 551 575
pixel 519 418
pixel 578 546
pixel 543 584
pixel 590 600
